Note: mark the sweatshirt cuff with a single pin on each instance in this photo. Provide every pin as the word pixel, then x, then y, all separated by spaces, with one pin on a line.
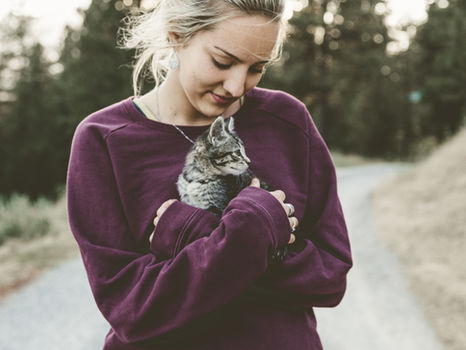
pixel 273 211
pixel 178 226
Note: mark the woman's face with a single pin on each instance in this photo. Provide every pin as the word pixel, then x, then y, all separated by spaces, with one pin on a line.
pixel 218 66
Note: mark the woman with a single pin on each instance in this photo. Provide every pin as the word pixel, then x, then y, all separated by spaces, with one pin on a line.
pixel 167 275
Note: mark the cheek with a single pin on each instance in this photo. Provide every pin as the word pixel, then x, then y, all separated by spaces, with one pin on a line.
pixel 200 75
pixel 252 81
pixel 209 74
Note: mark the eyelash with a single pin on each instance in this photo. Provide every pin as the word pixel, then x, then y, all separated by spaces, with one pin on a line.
pixel 221 66
pixel 226 66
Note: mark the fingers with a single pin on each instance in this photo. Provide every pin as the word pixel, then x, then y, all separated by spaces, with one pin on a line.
pixel 293 223
pixel 164 206
pixel 162 209
pixel 255 182
pixel 289 209
pixel 280 195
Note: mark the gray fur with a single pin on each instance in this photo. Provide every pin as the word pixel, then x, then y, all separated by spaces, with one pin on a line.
pixel 216 168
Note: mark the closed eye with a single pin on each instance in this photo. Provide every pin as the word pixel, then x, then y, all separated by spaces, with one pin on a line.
pixel 256 70
pixel 220 65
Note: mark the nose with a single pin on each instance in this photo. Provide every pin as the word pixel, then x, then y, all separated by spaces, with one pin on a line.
pixel 235 83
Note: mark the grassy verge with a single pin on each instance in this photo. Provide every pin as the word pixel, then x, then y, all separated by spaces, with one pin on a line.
pixel 344 160
pixel 34 237
pixel 421 215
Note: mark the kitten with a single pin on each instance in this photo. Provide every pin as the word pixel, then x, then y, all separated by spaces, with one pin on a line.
pixel 216 169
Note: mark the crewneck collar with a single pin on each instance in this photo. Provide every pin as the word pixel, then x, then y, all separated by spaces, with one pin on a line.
pixel 137 115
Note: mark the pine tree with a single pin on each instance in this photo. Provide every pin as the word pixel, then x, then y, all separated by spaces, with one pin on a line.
pixel 333 62
pixel 28 154
pixel 14 42
pixel 96 72
pixel 441 69
pixel 37 130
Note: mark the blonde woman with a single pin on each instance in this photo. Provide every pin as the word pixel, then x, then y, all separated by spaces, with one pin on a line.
pixel 167 275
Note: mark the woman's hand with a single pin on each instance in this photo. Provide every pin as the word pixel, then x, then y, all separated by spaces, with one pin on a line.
pixel 160 211
pixel 280 195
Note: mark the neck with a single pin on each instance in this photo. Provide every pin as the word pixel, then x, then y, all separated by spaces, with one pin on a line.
pixel 175 106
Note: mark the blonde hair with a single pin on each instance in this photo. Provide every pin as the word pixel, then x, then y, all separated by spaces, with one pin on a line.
pixel 148 32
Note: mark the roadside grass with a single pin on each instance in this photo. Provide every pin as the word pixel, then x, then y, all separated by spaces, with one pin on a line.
pixel 421 215
pixel 344 160
pixel 33 238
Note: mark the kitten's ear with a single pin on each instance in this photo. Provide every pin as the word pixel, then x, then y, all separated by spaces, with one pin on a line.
pixel 231 125
pixel 217 131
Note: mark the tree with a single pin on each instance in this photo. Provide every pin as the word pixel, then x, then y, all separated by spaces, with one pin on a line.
pixel 45 108
pixel 28 155
pixel 441 75
pixel 15 41
pixel 96 73
pixel 333 62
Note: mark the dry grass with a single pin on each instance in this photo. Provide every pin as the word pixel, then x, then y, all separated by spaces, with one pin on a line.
pixel 422 217
pixel 25 256
pixel 344 160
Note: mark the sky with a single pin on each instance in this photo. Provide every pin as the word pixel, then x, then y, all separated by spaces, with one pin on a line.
pixel 52 16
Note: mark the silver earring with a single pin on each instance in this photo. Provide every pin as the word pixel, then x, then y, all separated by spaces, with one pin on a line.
pixel 174 61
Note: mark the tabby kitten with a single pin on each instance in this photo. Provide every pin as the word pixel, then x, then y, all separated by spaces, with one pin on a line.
pixel 216 169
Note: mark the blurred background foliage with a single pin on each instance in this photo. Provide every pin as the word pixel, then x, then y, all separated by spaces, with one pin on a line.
pixel 364 99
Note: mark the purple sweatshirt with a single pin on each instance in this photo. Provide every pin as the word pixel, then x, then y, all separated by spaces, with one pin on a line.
pixel 207 282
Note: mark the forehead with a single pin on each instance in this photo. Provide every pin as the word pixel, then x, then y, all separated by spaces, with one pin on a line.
pixel 248 37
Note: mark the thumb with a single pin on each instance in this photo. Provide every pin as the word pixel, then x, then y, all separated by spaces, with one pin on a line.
pixel 255 182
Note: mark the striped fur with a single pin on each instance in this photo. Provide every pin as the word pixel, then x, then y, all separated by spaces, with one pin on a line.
pixel 216 168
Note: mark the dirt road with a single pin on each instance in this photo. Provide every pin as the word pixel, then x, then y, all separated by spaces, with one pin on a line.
pixel 378 312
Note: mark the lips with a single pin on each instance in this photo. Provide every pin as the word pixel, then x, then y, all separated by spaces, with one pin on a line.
pixel 222 99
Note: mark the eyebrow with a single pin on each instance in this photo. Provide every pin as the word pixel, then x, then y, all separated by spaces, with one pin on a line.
pixel 236 58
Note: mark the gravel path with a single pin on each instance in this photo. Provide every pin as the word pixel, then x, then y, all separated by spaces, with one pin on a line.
pixel 378 312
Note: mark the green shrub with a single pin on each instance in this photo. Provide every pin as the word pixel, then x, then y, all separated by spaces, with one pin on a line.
pixel 21 218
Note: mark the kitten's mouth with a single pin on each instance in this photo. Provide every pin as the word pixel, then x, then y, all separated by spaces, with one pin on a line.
pixel 239 170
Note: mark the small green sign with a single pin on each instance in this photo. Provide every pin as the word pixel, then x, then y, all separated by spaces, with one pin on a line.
pixel 415 96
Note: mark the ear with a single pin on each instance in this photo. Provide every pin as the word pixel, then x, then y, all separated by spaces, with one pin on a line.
pixel 231 125
pixel 173 37
pixel 217 131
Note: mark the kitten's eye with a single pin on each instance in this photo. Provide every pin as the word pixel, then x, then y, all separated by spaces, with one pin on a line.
pixel 220 65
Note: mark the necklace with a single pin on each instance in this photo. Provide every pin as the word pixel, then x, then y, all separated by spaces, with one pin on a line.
pixel 157 111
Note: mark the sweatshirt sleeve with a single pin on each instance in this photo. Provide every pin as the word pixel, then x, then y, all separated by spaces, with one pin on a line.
pixel 315 268
pixel 144 299
pixel 172 234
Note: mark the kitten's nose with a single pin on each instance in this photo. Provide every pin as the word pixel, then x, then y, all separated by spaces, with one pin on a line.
pixel 247 159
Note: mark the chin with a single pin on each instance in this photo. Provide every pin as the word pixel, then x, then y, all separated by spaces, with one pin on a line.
pixel 212 110
pixel 215 112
